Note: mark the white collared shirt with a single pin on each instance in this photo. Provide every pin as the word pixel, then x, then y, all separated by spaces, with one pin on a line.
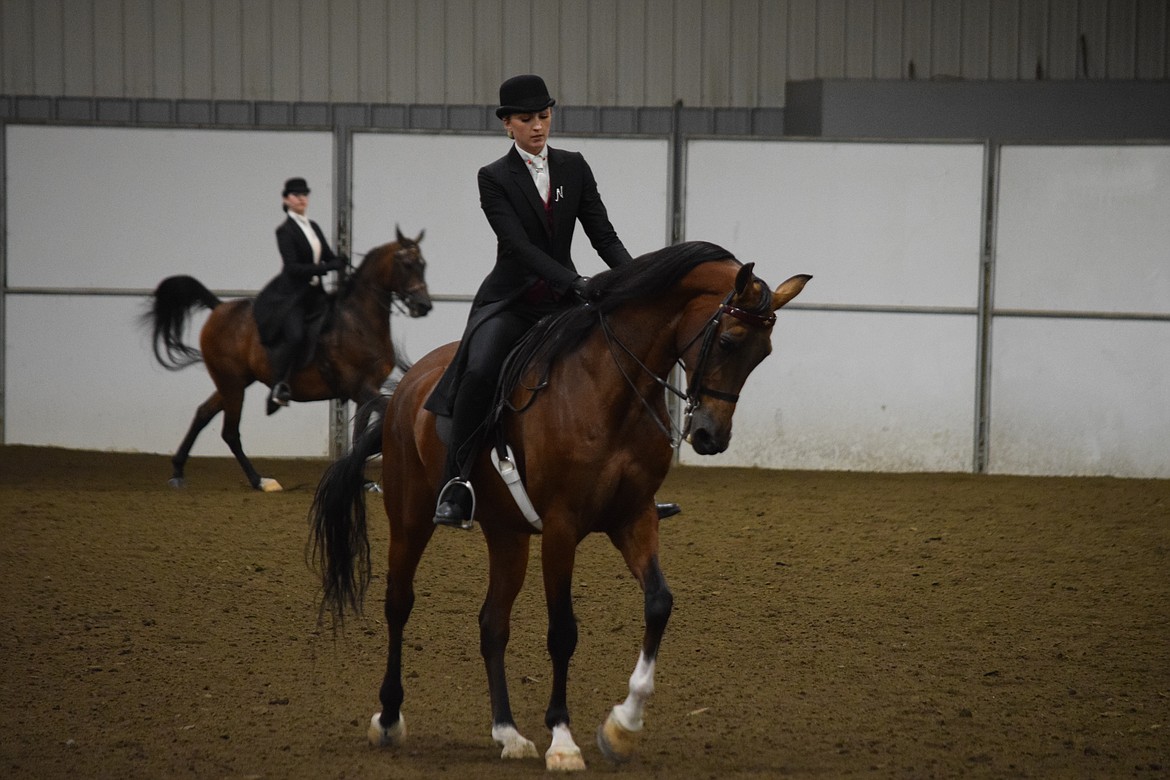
pixel 310 234
pixel 538 167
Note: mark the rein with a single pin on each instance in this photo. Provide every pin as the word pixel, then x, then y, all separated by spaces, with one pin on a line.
pixel 764 318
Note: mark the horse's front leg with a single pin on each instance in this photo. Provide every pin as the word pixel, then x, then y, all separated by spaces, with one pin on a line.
pixel 619 735
pixel 508 556
pixel 557 557
pixel 233 404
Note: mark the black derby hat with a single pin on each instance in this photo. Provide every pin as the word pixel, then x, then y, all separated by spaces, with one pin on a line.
pixel 297 185
pixel 523 95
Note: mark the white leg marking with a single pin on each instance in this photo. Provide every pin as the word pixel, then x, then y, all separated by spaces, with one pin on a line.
pixel 629 713
pixel 563 755
pixel 618 736
pixel 514 743
pixel 382 737
pixel 269 485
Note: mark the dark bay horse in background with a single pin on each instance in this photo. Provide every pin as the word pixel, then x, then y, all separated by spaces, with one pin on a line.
pixel 354 354
pixel 586 416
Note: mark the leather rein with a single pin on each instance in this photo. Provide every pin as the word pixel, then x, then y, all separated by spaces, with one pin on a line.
pixel 762 317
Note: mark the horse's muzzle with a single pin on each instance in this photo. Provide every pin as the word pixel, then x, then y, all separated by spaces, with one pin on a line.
pixel 418 306
pixel 706 442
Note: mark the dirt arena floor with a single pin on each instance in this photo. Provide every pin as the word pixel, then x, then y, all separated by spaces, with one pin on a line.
pixel 826 625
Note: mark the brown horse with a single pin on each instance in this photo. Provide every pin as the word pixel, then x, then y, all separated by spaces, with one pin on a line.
pixel 353 356
pixel 585 414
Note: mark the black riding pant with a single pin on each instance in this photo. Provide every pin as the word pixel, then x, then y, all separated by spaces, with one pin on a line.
pixel 489 345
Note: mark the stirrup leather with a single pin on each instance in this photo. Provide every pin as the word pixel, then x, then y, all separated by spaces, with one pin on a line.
pixel 505 463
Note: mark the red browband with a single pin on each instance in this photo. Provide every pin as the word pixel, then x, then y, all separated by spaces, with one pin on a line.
pixel 759 320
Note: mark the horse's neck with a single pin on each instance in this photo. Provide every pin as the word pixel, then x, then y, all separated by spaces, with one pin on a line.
pixel 636 351
pixel 370 297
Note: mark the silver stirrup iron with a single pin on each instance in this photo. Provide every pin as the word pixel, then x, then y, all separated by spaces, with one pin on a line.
pixel 466 524
pixel 511 476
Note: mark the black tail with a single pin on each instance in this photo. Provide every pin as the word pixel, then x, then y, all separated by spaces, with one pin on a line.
pixel 340 547
pixel 172 302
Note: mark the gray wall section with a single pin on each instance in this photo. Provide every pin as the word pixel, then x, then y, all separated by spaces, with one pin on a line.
pixel 706 53
pixel 960 109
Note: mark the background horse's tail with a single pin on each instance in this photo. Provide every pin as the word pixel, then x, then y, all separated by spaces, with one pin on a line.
pixel 170 305
pixel 340 548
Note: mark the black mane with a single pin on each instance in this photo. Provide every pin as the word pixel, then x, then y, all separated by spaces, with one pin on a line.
pixel 647 276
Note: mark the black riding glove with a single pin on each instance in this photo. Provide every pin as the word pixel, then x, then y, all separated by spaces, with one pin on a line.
pixel 333 265
pixel 578 286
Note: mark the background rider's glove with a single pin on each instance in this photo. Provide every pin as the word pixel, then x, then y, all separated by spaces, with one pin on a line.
pixel 336 264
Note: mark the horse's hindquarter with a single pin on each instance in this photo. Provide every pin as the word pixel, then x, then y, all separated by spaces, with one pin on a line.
pixel 411 450
pixel 231 344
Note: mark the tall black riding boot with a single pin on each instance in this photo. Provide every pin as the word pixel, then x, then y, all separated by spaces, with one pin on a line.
pixel 456 503
pixel 281 359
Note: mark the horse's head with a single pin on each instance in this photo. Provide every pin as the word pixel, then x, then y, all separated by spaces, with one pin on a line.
pixel 399 268
pixel 736 337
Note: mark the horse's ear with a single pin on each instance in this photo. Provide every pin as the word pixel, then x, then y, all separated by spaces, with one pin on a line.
pixel 789 290
pixel 421 233
pixel 744 277
pixel 398 230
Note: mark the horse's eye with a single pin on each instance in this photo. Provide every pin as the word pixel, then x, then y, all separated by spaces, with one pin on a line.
pixel 728 342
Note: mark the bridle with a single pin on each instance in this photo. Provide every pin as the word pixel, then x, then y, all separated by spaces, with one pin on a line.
pixel 761 317
pixel 400 300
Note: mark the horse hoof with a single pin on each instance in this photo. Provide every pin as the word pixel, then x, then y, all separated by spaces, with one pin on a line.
pixel 616 742
pixel 515 744
pixel 373 487
pixel 386 737
pixel 270 485
pixel 564 760
pixel 177 482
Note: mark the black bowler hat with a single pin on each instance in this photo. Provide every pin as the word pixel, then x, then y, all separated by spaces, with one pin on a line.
pixel 296 186
pixel 523 95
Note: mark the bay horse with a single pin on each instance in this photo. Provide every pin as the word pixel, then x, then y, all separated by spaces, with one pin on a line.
pixel 354 354
pixel 583 408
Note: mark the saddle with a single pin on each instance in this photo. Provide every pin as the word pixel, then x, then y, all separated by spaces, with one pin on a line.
pixel 501 453
pixel 319 316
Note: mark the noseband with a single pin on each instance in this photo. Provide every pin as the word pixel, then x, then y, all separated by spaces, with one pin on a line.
pixel 761 317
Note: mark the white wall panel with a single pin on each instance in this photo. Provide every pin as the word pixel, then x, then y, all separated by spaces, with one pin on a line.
pixel 124 207
pixel 878 224
pixel 80 374
pixel 857 392
pixel 1080 397
pixel 429 181
pixel 1084 228
pixel 875 224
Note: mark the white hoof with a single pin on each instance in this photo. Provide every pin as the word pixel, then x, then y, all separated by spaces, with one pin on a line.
pixel 564 760
pixel 270 485
pixel 514 743
pixel 616 742
pixel 563 755
pixel 387 737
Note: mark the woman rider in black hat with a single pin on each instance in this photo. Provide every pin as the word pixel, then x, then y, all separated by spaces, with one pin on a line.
pixel 533 197
pixel 286 302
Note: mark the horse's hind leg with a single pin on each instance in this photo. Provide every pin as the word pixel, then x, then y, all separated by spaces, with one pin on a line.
pixel 619 735
pixel 407 543
pixel 508 554
pixel 203 415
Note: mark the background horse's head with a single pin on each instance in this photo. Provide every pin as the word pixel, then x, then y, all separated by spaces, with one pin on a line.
pixel 400 270
pixel 736 337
